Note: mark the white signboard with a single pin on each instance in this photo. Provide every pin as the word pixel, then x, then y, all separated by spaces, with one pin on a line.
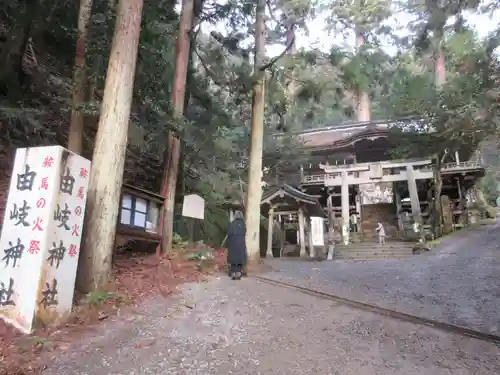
pixel 41 235
pixel 193 206
pixel 317 229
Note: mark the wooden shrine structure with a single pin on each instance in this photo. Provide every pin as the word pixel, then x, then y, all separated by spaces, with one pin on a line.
pixel 290 209
pixel 353 174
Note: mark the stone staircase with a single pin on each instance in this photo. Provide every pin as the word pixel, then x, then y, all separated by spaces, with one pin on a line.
pixel 373 251
pixel 379 212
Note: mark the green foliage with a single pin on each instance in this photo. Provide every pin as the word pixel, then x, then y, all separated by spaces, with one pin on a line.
pixel 177 240
pixel 489 185
pixel 304 89
pixel 99 298
pixel 432 18
pixel 202 254
pixel 458 115
pixel 368 15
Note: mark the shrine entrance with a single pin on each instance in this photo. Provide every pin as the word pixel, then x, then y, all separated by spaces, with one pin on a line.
pixel 376 204
pixel 368 204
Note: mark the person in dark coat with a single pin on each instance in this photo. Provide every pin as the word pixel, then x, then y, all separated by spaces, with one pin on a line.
pixel 236 246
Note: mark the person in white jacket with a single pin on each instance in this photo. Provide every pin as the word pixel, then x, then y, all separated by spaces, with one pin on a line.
pixel 381 233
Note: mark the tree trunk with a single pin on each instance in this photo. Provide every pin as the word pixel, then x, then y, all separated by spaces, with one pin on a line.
pixel 440 77
pixel 103 199
pixel 291 84
pixel 363 111
pixel 254 192
pixel 439 66
pixel 11 57
pixel 190 78
pixel 437 214
pixel 76 127
pixel 172 151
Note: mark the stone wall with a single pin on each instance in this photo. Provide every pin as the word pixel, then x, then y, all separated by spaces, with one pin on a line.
pixel 373 213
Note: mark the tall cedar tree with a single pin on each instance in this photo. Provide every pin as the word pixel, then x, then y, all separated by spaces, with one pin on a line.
pixel 76 126
pixel 254 193
pixel 173 149
pixel 108 160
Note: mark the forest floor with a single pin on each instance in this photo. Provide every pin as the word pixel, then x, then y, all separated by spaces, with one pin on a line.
pixel 136 277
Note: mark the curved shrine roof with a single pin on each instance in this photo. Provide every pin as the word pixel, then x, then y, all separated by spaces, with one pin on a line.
pixel 343 135
pixel 297 197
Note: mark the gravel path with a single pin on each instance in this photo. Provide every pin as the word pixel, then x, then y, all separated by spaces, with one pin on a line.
pixel 248 327
pixel 458 283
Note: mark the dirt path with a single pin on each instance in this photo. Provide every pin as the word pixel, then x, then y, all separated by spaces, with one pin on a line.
pixel 458 283
pixel 249 327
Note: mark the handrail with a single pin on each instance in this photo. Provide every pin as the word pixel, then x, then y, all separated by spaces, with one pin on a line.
pixel 445 167
pixel 462 165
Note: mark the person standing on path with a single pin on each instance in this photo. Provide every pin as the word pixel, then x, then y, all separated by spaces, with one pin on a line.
pixel 381 233
pixel 236 247
pixel 354 223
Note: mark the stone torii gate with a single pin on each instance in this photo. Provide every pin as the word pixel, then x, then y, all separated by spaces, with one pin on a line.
pixel 286 200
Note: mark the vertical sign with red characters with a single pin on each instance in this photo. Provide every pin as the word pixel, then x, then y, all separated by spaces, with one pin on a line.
pixel 61 260
pixel 25 233
pixel 39 181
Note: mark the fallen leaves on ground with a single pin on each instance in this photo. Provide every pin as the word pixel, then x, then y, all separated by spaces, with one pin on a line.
pixel 135 277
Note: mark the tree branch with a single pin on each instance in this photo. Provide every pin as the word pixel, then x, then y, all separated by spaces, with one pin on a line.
pixel 276 58
pixel 271 12
pixel 209 71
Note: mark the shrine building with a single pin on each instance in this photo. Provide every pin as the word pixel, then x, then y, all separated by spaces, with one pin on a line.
pixel 350 173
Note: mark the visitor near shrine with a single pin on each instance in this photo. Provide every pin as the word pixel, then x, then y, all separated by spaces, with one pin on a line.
pixel 381 233
pixel 236 247
pixel 354 223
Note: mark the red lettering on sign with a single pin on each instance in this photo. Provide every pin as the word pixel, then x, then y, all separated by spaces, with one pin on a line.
pixel 84 172
pixel 48 161
pixel 76 229
pixel 44 185
pixel 34 247
pixel 40 203
pixel 37 224
pixel 80 193
pixel 78 211
pixel 72 251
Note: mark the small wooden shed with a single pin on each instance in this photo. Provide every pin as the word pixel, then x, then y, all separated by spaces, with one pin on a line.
pixel 286 204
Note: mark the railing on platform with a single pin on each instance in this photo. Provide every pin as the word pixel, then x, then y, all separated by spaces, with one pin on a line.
pixel 446 168
pixel 314 178
pixel 463 165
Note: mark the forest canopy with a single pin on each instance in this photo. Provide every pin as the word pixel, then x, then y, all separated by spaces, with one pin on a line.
pixel 437 67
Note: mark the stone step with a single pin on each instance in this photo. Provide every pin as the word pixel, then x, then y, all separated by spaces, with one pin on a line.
pixel 374 250
pixel 384 253
pixel 373 257
pixel 366 253
pixel 374 246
